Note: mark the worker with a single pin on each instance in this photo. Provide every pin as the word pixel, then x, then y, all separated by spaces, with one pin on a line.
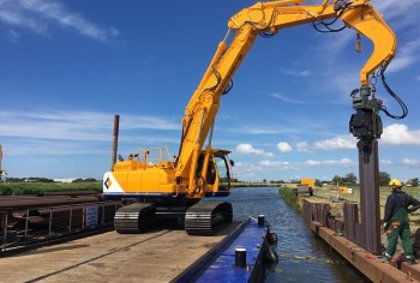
pixel 396 221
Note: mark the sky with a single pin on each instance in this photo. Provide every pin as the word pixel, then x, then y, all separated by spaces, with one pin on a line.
pixel 68 66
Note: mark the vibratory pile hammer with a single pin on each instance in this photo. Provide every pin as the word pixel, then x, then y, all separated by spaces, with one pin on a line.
pixel 172 188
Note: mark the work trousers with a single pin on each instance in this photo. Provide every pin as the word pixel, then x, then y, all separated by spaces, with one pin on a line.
pixel 398 226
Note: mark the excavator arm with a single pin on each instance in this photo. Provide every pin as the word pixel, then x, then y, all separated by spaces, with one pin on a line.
pixel 262 19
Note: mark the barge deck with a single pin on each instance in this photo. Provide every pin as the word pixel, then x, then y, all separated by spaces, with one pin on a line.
pixel 157 256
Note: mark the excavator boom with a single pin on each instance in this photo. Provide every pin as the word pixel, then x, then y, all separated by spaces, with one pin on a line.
pixel 263 18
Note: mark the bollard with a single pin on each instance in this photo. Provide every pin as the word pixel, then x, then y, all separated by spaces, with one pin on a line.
pixel 240 257
pixel 260 220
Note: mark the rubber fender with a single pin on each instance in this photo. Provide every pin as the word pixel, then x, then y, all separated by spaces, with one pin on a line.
pixel 271 256
pixel 272 239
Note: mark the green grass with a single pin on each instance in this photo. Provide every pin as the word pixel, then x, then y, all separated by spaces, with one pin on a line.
pixel 290 198
pixel 33 188
pixel 384 192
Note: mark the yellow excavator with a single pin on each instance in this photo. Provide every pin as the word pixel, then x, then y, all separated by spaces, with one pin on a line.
pixel 174 187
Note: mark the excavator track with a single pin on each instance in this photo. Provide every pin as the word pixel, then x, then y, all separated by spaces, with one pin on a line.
pixel 134 218
pixel 207 217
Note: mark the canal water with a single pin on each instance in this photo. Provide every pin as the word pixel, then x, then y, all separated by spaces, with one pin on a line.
pixel 302 256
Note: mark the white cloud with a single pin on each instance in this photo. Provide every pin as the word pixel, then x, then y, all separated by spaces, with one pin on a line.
pixel 413 163
pixel 246 171
pixel 303 73
pixel 386 162
pixel 406 56
pixel 38 15
pixel 393 135
pixel 401 15
pixel 340 142
pixel 284 147
pixel 28 147
pixel 402 18
pixel 281 165
pixel 399 134
pixel 262 130
pixel 345 84
pixel 302 147
pixel 77 125
pixel 246 148
pixel 344 162
pixel 253 171
pixel 288 99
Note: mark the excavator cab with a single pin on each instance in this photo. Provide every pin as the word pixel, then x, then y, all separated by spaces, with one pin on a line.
pixel 219 171
pixel 224 170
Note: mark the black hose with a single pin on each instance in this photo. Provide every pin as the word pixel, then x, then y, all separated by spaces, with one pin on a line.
pixel 328 24
pixel 218 77
pixel 182 141
pixel 266 34
pixel 403 106
pixel 315 25
pixel 228 88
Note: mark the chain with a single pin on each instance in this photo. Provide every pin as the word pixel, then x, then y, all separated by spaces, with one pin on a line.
pixel 358 43
pixel 373 82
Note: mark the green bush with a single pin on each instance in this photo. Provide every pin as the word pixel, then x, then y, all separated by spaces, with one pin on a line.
pixel 34 188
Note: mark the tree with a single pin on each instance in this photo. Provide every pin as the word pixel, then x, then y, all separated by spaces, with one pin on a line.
pixel 384 178
pixel 336 180
pixel 413 182
pixel 318 183
pixel 350 179
pixel 39 179
pixel 87 180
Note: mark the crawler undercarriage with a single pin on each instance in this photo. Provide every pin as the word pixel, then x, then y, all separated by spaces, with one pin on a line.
pixel 200 218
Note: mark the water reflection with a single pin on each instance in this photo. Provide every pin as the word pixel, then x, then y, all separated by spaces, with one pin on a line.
pixel 303 257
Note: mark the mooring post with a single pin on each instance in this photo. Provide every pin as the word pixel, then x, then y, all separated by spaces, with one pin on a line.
pixel 366 126
pixel 240 257
pixel 115 140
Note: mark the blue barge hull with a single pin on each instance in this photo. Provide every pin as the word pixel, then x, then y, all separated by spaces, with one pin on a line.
pixel 218 265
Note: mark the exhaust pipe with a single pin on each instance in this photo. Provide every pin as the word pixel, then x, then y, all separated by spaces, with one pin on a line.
pixel 115 141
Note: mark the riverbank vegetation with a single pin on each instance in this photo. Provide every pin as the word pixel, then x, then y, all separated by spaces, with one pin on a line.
pixel 290 197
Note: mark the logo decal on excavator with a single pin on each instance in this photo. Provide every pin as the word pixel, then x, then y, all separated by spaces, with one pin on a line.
pixel 108 183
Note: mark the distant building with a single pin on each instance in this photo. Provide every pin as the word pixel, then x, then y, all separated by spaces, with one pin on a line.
pixel 3 175
pixel 69 180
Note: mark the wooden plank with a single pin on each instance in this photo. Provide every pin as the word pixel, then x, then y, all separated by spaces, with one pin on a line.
pixel 157 256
